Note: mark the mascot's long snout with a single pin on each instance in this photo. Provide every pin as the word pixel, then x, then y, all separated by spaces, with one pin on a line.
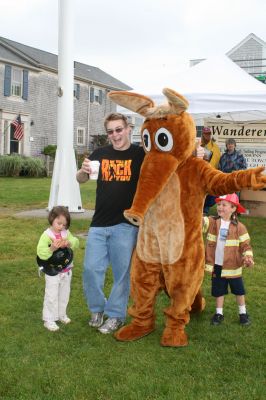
pixel 156 170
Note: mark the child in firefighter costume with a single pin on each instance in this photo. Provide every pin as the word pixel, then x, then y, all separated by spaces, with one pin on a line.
pixel 168 209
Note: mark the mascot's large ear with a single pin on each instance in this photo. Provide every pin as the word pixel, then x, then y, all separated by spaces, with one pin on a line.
pixel 175 100
pixel 132 101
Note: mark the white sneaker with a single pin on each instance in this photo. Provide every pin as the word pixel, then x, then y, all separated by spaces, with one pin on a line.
pixel 51 326
pixel 65 320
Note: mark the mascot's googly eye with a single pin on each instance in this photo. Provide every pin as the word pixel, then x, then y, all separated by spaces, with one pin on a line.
pixel 164 139
pixel 146 139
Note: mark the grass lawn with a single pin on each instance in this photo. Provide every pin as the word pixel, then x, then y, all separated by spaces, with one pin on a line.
pixel 31 193
pixel 225 362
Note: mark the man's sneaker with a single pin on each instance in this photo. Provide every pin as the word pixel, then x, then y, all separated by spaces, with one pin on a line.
pixel 217 319
pixel 96 319
pixel 65 320
pixel 110 325
pixel 244 319
pixel 51 326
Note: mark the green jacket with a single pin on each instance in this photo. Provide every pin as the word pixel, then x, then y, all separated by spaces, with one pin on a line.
pixel 46 239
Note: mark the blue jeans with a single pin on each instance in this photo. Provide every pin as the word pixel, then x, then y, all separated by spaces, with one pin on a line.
pixel 109 245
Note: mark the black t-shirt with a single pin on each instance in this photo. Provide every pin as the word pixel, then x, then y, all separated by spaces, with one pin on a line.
pixel 117 182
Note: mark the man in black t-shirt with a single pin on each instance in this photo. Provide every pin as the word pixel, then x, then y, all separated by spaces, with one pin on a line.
pixel 111 238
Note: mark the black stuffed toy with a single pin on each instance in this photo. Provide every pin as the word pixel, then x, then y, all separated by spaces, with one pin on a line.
pixel 59 260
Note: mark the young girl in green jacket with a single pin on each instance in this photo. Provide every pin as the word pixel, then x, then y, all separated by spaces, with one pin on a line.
pixel 57 287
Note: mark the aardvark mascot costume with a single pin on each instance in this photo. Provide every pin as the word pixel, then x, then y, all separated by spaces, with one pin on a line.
pixel 168 209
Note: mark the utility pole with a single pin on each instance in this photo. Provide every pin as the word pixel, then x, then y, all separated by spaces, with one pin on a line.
pixel 64 187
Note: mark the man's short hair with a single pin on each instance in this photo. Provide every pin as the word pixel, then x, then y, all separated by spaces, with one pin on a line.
pixel 230 141
pixel 115 117
pixel 206 129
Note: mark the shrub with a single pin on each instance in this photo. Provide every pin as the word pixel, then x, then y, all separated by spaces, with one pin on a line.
pixel 33 167
pixel 15 165
pixel 50 150
pixel 10 165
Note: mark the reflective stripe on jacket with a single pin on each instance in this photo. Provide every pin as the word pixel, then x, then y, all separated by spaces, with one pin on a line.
pixel 237 246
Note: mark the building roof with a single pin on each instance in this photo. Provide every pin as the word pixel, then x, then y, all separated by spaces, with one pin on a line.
pixel 246 39
pixel 43 59
pixel 195 61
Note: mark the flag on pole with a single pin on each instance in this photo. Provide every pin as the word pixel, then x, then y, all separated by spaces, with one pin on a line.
pixel 18 133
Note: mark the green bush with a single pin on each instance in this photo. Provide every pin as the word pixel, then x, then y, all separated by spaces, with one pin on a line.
pixel 10 165
pixel 50 150
pixel 33 167
pixel 15 165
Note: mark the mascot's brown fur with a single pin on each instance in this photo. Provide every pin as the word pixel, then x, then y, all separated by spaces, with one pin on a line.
pixel 168 208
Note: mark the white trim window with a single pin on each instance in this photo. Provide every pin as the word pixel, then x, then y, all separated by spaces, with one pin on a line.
pixel 16 82
pixel 81 136
pixel 96 95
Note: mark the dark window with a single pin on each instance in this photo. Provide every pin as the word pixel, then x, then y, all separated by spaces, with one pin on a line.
pixel 13 142
pixel 91 94
pixel 76 90
pixel 199 130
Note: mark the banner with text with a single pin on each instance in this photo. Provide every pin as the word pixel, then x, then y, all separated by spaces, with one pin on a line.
pixel 250 139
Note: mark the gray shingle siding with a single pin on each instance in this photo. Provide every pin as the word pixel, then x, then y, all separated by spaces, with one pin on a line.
pixel 82 108
pixel 244 56
pixel 39 111
pixel 41 107
pixel 250 54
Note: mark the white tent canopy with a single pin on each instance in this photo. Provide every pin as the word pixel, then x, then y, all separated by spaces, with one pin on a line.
pixel 218 86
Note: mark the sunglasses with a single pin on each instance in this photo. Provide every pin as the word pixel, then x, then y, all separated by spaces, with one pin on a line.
pixel 111 131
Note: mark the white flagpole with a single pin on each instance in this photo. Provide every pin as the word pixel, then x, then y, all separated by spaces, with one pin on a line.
pixel 64 187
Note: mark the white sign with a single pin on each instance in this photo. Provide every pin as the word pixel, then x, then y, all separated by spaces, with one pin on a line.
pixel 254 157
pixel 243 134
pixel 250 139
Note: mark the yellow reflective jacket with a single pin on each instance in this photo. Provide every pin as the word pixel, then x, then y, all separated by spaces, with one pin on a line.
pixel 216 154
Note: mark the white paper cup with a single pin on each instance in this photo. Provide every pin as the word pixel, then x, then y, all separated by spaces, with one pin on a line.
pixel 95 165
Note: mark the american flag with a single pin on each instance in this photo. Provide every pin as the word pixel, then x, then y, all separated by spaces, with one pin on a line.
pixel 18 133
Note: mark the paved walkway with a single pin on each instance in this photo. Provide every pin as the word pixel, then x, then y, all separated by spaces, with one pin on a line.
pixel 43 213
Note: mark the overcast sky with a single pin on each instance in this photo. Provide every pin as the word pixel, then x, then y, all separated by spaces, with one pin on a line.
pixel 143 43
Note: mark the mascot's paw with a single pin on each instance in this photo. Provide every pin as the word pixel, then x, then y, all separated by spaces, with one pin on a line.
pixel 198 305
pixel 174 337
pixel 133 332
pixel 258 181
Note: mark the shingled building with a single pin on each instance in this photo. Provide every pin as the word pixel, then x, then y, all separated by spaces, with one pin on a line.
pixel 28 86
